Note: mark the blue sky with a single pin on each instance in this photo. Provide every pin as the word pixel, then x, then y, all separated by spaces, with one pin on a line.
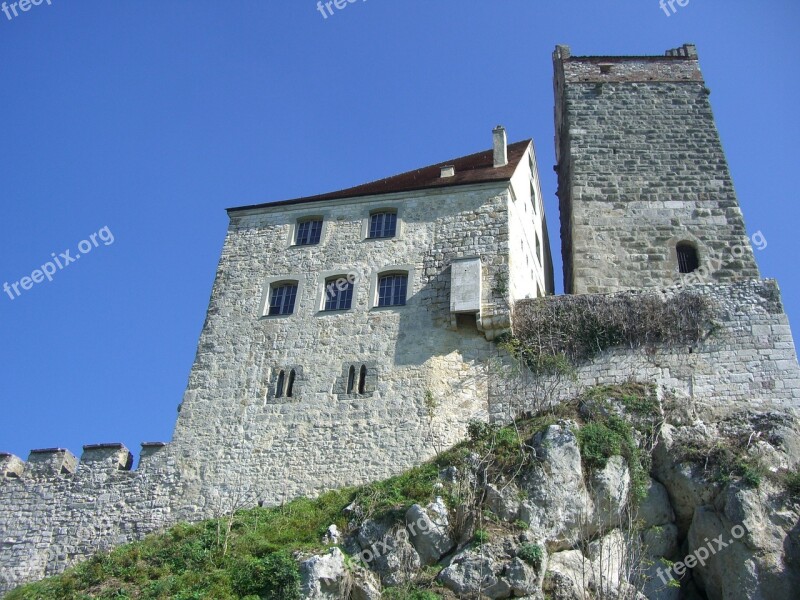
pixel 149 118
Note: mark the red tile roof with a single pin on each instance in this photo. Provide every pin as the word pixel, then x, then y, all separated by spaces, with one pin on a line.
pixel 475 168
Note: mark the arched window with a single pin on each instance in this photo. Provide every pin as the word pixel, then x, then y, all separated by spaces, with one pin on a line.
pixel 688 260
pixel 351 379
pixel 290 385
pixel 279 385
pixel 362 379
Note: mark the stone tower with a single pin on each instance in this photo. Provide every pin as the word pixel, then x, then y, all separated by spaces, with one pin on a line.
pixel 645 194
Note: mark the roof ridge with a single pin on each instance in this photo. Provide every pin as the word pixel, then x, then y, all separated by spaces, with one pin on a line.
pixel 468 169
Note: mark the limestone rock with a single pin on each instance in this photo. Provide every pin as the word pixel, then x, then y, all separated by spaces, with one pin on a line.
pixel 387 550
pixel 558 503
pixel 430 531
pixel 610 490
pixel 655 509
pixel 567 575
pixel 504 501
pixel 570 574
pixel 472 575
pixel 522 578
pixel 332 536
pixel 323 577
pixel 686 484
pixel 656 582
pixel 365 585
pixel 660 541
pixel 748 545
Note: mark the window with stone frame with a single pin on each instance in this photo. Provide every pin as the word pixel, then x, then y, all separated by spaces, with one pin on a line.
pixel 279 385
pixel 351 379
pixel 338 293
pixel 383 224
pixel 362 380
pixel 392 289
pixel 309 232
pixel 282 298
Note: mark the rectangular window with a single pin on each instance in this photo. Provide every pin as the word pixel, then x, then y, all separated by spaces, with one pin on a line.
pixel 392 290
pixel 538 247
pixel 281 300
pixel 383 225
pixel 308 232
pixel 338 294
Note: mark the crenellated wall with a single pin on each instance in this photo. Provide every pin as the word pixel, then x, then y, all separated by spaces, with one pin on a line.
pixel 57 511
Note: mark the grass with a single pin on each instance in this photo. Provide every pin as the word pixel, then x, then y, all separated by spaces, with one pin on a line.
pixel 531 554
pixel 726 461
pixel 191 561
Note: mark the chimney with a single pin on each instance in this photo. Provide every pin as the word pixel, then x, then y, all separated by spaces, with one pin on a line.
pixel 500 146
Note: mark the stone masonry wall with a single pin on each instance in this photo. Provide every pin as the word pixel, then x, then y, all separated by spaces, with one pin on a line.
pixel 322 438
pixel 749 360
pixel 641 168
pixel 56 512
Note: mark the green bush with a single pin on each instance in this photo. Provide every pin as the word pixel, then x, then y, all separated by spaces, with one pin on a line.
pixel 792 483
pixel 531 554
pixel 480 430
pixel 598 443
pixel 600 440
pixel 274 577
pixel 481 536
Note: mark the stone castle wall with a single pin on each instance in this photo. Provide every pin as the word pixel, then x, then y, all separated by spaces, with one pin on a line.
pixel 748 360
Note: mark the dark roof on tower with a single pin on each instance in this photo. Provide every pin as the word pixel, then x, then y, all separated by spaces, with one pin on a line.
pixel 475 168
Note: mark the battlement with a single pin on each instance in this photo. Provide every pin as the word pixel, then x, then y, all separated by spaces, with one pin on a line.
pixel 676 65
pixel 11 467
pixel 58 462
pixel 51 461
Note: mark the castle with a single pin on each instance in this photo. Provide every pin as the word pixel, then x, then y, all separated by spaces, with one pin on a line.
pixel 349 335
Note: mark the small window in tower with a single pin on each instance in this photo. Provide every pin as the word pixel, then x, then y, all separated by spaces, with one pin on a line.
pixel 383 224
pixel 290 384
pixel 309 232
pixel 282 298
pixel 279 385
pixel 351 379
pixel 688 260
pixel 362 379
pixel 605 68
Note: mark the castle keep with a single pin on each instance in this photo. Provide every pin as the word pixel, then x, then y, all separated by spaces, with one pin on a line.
pixel 350 335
